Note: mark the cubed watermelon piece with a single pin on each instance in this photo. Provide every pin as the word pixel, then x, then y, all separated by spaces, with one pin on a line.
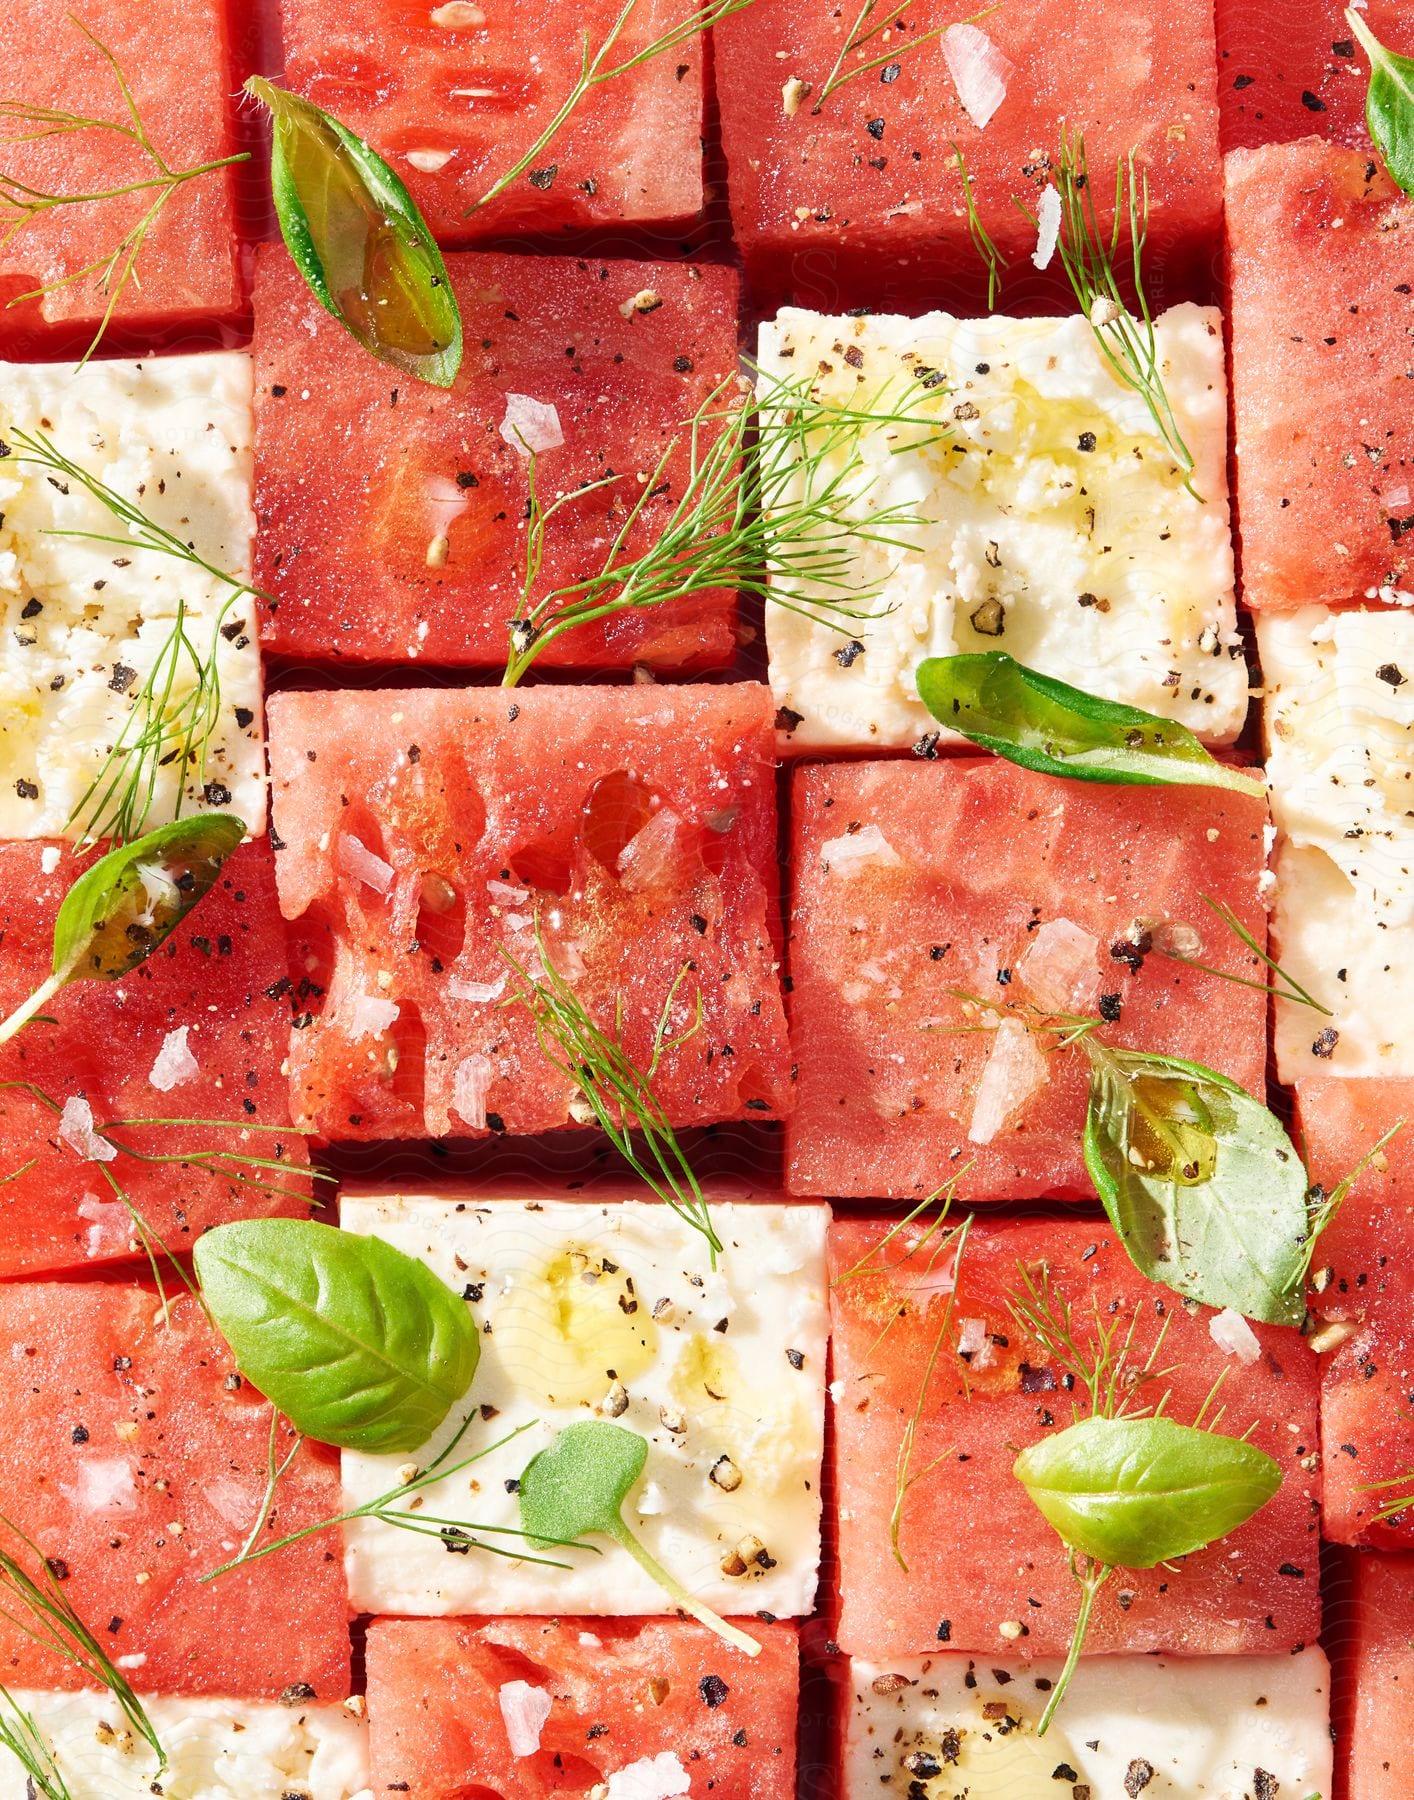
pixel 913 880
pixel 1291 68
pixel 425 831
pixel 1318 250
pixel 177 64
pixel 222 985
pixel 1367 1252
pixel 136 1459
pixel 407 540
pixel 455 95
pixel 1367 1426
pixel 985 1571
pixel 442 1694
pixel 862 202
pixel 1375 1680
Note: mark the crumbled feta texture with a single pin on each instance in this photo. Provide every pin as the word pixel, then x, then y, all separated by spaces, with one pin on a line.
pixel 76 1130
pixel 49 858
pixel 979 71
pixel 858 850
pixel 1048 224
pixel 1061 967
pixel 174 1062
pixel 470 1083
pixel 85 623
pixel 1195 1726
pixel 660 1777
pixel 1054 522
pixel 1014 1074
pixel 524 1710
pixel 356 859
pixel 218 1749
pixel 1338 718
pixel 531 426
pixel 565 1291
pixel 1231 1332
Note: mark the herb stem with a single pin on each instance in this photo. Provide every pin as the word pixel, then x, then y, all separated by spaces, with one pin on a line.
pixel 45 992
pixel 687 1602
pixel 1095 1576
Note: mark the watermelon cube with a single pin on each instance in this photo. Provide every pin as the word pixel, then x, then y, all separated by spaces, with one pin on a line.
pixel 528 1708
pixel 1367 1424
pixel 610 1307
pixel 104 641
pixel 1375 1703
pixel 1363 1254
pixel 453 96
pixel 136 1458
pixel 1206 1727
pixel 197 1031
pixel 918 882
pixel 1292 69
pixel 1321 315
pixel 187 272
pixel 855 197
pixel 424 493
pixel 623 835
pixel 1008 1589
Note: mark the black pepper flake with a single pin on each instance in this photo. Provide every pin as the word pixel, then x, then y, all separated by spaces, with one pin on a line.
pixel 740 1739
pixel 122 678
pixel 698 923
pixel 79 1434
pixel 1391 673
pixel 1036 1381
pixel 1110 1007
pixel 786 720
pixel 847 654
pixel 244 717
pixel 596 1731
pixel 455 1540
pixel 1399 527
pixel 890 73
pixel 27 790
pixel 494 1122
pixel 1311 102
pixel 216 793
pixel 1325 1043
pixel 1243 81
pixel 31 609
pixel 713 1690
pixel 278 390
pixel 57 1567
pixel 875 128
pixel 1265 1785
pixel 1064 1772
pixel 1138 1776
pixel 927 746
pixel 513 1485
pixel 796 1358
pixel 1086 441
pixel 298 1693
pixel 683 364
pixel 1291 1571
pixel 945 1631
pixel 544 178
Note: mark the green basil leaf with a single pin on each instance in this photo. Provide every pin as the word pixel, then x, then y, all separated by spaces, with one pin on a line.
pixel 357 237
pixel 1055 729
pixel 1389 104
pixel 1200 1181
pixel 577 1486
pixel 357 1343
pixel 1133 1493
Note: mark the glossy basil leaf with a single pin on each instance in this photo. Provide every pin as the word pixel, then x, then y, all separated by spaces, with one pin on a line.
pixel 357 1343
pixel 1133 1493
pixel 1389 104
pixel 357 237
pixel 1200 1181
pixel 1055 729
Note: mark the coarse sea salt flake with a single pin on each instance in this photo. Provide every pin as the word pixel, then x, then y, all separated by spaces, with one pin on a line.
pixel 429 161
pixel 1048 224
pixel 1231 1332
pixel 1016 1070
pixel 660 1777
pixel 356 859
pixel 530 425
pixel 76 1130
pixel 857 849
pixel 174 1062
pixel 470 1082
pixel 482 992
pixel 979 71
pixel 524 1710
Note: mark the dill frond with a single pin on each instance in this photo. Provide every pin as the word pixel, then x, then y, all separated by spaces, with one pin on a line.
pixel 21 1736
pixel 1092 261
pixel 862 33
pixel 982 241
pixel 1106 1367
pixel 597 67
pixel 174 714
pixel 1290 989
pixel 22 204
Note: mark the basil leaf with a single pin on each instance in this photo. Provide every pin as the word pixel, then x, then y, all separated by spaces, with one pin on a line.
pixel 357 237
pixel 1133 1493
pixel 578 1485
pixel 1389 104
pixel 357 1343
pixel 1055 729
pixel 1201 1182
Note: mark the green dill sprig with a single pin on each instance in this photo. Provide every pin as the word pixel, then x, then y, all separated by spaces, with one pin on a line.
pixel 1110 1378
pixel 772 504
pixel 20 1734
pixel 1091 258
pixel 862 33
pixel 35 1603
pixel 982 241
pixel 618 1093
pixel 598 67
pixel 175 712
pixel 21 204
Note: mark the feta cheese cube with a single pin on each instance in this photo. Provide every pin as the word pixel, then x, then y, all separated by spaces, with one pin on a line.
pixel 612 1311
pixel 1057 524
pixel 1199 1726
pixel 1339 724
pixel 84 624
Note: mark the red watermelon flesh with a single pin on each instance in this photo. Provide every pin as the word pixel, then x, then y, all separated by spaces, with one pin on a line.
pixel 135 1458
pixel 1320 259
pixel 176 62
pixel 1375 1711
pixel 979 1554
pixel 1367 1252
pixel 1367 1429
pixel 222 975
pixel 973 857
pixel 346 541
pixel 454 96
pixel 622 1690
pixel 1290 68
pixel 862 202
pixel 637 824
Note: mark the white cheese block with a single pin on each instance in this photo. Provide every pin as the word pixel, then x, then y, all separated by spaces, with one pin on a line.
pixel 1339 724
pixel 1092 564
pixel 1169 1728
pixel 612 1311
pixel 85 624
pixel 216 1749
